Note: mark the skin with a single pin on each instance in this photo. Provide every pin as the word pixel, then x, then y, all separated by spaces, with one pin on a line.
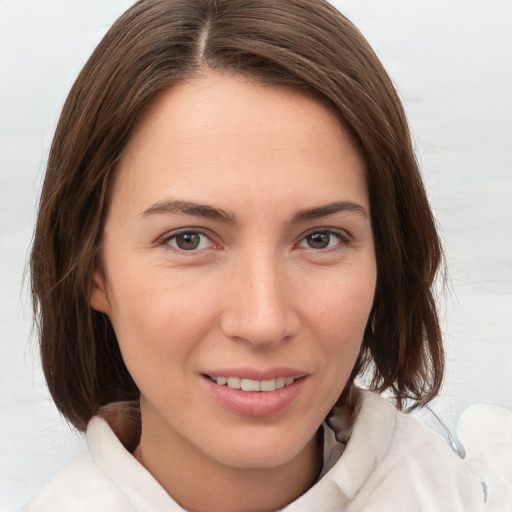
pixel 266 287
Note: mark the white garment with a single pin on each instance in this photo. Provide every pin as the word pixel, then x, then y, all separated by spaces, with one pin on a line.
pixel 391 463
pixel 486 434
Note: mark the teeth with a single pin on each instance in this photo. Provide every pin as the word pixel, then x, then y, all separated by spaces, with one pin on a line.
pixel 232 382
pixel 249 385
pixel 268 385
pixel 280 382
pixel 253 385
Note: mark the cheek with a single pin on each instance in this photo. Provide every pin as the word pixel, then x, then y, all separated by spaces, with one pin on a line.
pixel 156 317
pixel 339 317
pixel 342 306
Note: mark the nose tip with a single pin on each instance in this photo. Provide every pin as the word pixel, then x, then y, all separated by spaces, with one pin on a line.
pixel 259 311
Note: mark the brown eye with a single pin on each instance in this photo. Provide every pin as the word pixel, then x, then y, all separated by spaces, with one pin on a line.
pixel 325 239
pixel 189 241
pixel 319 240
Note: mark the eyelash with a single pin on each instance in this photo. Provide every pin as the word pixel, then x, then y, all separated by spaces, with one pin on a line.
pixel 166 240
pixel 344 240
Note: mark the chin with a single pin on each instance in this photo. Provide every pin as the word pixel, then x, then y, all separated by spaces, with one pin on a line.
pixel 261 451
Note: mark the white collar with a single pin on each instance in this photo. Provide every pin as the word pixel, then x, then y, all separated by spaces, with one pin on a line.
pixel 340 479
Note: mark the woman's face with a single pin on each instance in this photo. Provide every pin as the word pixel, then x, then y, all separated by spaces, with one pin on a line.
pixel 237 251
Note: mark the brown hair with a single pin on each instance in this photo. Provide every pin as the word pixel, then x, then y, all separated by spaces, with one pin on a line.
pixel 301 43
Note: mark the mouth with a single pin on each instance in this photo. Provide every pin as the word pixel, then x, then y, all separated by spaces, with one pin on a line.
pixel 252 385
pixel 262 397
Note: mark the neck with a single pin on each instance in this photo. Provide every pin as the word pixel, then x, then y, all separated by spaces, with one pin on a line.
pixel 198 483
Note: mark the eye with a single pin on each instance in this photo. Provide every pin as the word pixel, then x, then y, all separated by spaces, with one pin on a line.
pixel 323 239
pixel 188 241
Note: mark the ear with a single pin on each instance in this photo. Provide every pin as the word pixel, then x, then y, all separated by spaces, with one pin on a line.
pixel 98 297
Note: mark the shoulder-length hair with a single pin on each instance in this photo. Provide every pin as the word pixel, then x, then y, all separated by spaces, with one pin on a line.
pixel 305 44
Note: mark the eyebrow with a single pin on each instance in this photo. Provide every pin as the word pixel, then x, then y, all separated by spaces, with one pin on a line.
pixel 189 208
pixel 329 209
pixel 204 210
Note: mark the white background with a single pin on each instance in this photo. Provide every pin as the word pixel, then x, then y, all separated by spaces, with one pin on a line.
pixel 451 61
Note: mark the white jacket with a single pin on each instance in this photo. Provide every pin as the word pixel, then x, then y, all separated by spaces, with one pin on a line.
pixel 391 463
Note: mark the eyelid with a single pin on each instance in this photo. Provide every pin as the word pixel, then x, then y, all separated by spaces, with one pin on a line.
pixel 164 240
pixel 344 236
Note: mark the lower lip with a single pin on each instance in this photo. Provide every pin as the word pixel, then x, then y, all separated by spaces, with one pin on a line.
pixel 255 404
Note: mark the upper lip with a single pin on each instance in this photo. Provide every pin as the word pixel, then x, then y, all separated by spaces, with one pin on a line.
pixel 257 374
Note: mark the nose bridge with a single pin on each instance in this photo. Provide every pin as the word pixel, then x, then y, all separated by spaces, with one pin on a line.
pixel 259 311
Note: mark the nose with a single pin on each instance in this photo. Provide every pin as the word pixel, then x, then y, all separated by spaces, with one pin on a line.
pixel 259 310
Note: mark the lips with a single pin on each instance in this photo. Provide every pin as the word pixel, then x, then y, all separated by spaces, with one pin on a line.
pixel 255 394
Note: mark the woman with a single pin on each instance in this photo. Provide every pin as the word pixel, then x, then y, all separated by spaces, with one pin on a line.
pixel 233 229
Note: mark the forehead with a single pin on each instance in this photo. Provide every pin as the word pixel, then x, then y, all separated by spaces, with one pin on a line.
pixel 224 136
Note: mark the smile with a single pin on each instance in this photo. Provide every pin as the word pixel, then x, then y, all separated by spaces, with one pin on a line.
pixel 251 385
pixel 255 397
